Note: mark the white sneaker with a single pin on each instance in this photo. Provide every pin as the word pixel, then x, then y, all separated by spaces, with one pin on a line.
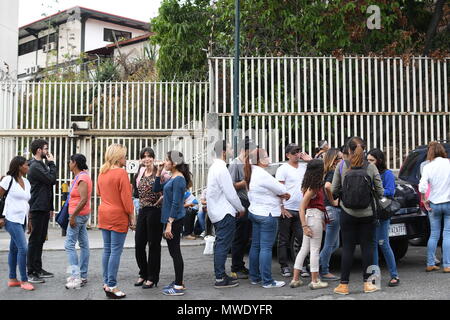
pixel 317 285
pixel 73 283
pixel 275 284
pixel 203 234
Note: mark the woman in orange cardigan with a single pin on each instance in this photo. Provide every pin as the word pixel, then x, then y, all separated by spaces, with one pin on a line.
pixel 115 214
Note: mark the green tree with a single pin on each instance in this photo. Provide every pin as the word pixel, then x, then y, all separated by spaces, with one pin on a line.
pixel 184 29
pixel 182 36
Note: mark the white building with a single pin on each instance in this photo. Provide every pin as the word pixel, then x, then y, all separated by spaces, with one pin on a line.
pixel 9 17
pixel 60 39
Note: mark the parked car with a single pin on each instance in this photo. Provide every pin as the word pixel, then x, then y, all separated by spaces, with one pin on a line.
pixel 408 223
pixel 410 172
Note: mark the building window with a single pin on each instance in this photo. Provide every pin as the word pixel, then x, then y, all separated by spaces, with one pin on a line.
pixel 36 44
pixel 46 39
pixel 28 47
pixel 120 35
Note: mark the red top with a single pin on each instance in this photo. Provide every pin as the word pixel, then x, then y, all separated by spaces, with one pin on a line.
pixel 318 201
pixel 114 189
pixel 75 197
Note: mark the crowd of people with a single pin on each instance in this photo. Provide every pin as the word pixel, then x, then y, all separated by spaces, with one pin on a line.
pixel 323 200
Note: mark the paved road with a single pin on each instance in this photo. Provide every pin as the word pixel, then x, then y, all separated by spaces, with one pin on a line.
pixel 415 283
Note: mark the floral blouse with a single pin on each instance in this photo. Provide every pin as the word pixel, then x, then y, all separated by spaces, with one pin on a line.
pixel 148 198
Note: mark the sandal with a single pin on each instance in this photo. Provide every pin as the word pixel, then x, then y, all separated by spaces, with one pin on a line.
pixel 114 293
pixel 394 282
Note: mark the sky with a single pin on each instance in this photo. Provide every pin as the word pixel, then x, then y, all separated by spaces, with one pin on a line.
pixel 32 10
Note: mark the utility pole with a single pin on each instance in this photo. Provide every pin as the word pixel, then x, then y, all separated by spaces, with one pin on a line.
pixel 236 77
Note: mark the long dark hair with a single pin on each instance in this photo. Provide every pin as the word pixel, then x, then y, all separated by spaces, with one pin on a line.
pixel 181 166
pixel 357 146
pixel 14 167
pixel 313 178
pixel 329 160
pixel 80 161
pixel 255 156
pixel 381 159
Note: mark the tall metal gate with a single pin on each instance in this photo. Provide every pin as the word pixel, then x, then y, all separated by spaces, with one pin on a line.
pixel 393 104
pixel 161 115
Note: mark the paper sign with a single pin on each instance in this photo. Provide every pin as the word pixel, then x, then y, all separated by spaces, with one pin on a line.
pixel 132 166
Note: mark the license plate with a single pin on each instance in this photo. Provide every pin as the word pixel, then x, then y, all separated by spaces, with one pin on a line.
pixel 397 230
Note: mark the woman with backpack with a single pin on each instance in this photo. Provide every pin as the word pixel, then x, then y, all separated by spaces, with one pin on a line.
pixel 18 192
pixel 312 217
pixel 381 239
pixel 332 158
pixel 436 177
pixel 354 188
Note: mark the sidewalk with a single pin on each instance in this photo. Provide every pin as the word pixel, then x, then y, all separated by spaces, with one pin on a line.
pixel 56 241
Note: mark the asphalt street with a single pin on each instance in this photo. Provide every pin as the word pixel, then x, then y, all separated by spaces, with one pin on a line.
pixel 199 280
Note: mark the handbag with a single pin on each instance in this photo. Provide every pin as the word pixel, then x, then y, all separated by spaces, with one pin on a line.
pixel 63 216
pixel 3 199
pixel 384 208
pixel 387 207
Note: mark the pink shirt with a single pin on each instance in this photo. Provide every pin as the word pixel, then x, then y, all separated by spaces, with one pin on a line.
pixel 75 197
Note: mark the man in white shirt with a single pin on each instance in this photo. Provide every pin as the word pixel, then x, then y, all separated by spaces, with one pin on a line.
pixel 223 203
pixel 291 175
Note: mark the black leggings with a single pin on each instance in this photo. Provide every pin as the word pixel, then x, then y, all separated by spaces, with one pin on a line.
pixel 175 251
pixel 149 230
pixel 352 230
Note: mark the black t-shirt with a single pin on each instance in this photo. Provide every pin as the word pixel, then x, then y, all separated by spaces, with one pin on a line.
pixel 328 178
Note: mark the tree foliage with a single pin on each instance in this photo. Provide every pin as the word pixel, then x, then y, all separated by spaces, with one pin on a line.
pixel 184 28
pixel 182 36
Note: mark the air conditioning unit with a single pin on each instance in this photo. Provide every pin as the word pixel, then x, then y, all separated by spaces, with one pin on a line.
pixel 49 47
pixel 31 70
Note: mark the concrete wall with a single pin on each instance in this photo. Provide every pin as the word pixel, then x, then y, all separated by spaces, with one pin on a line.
pixel 9 17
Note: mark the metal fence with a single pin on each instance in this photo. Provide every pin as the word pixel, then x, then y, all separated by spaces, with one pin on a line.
pixel 392 104
pixel 161 115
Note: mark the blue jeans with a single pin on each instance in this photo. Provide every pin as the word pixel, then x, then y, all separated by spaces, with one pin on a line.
pixel 331 239
pixel 201 216
pixel 224 238
pixel 381 240
pixel 79 233
pixel 264 232
pixel 112 250
pixel 136 205
pixel 17 250
pixel 438 212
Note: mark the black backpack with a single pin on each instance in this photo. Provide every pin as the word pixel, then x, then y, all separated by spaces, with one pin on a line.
pixel 357 188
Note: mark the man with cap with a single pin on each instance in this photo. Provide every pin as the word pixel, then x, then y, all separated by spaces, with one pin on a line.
pixel 291 175
pixel 243 224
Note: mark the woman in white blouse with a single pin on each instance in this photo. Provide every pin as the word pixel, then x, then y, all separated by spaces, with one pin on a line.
pixel 265 195
pixel 16 208
pixel 436 177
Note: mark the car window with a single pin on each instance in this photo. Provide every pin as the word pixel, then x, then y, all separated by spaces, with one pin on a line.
pixel 411 167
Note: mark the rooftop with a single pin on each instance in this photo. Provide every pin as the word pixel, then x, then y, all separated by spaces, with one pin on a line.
pixel 78 13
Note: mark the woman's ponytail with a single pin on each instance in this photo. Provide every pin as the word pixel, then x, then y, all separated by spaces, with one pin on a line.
pixel 357 146
pixel 247 168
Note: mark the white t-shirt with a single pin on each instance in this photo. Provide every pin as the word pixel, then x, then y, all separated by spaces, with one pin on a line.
pixel 16 204
pixel 293 179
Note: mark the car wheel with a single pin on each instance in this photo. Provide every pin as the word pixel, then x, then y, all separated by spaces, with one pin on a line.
pixel 399 247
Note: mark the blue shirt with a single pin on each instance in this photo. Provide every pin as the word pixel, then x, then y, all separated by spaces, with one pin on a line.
pixel 388 179
pixel 173 200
